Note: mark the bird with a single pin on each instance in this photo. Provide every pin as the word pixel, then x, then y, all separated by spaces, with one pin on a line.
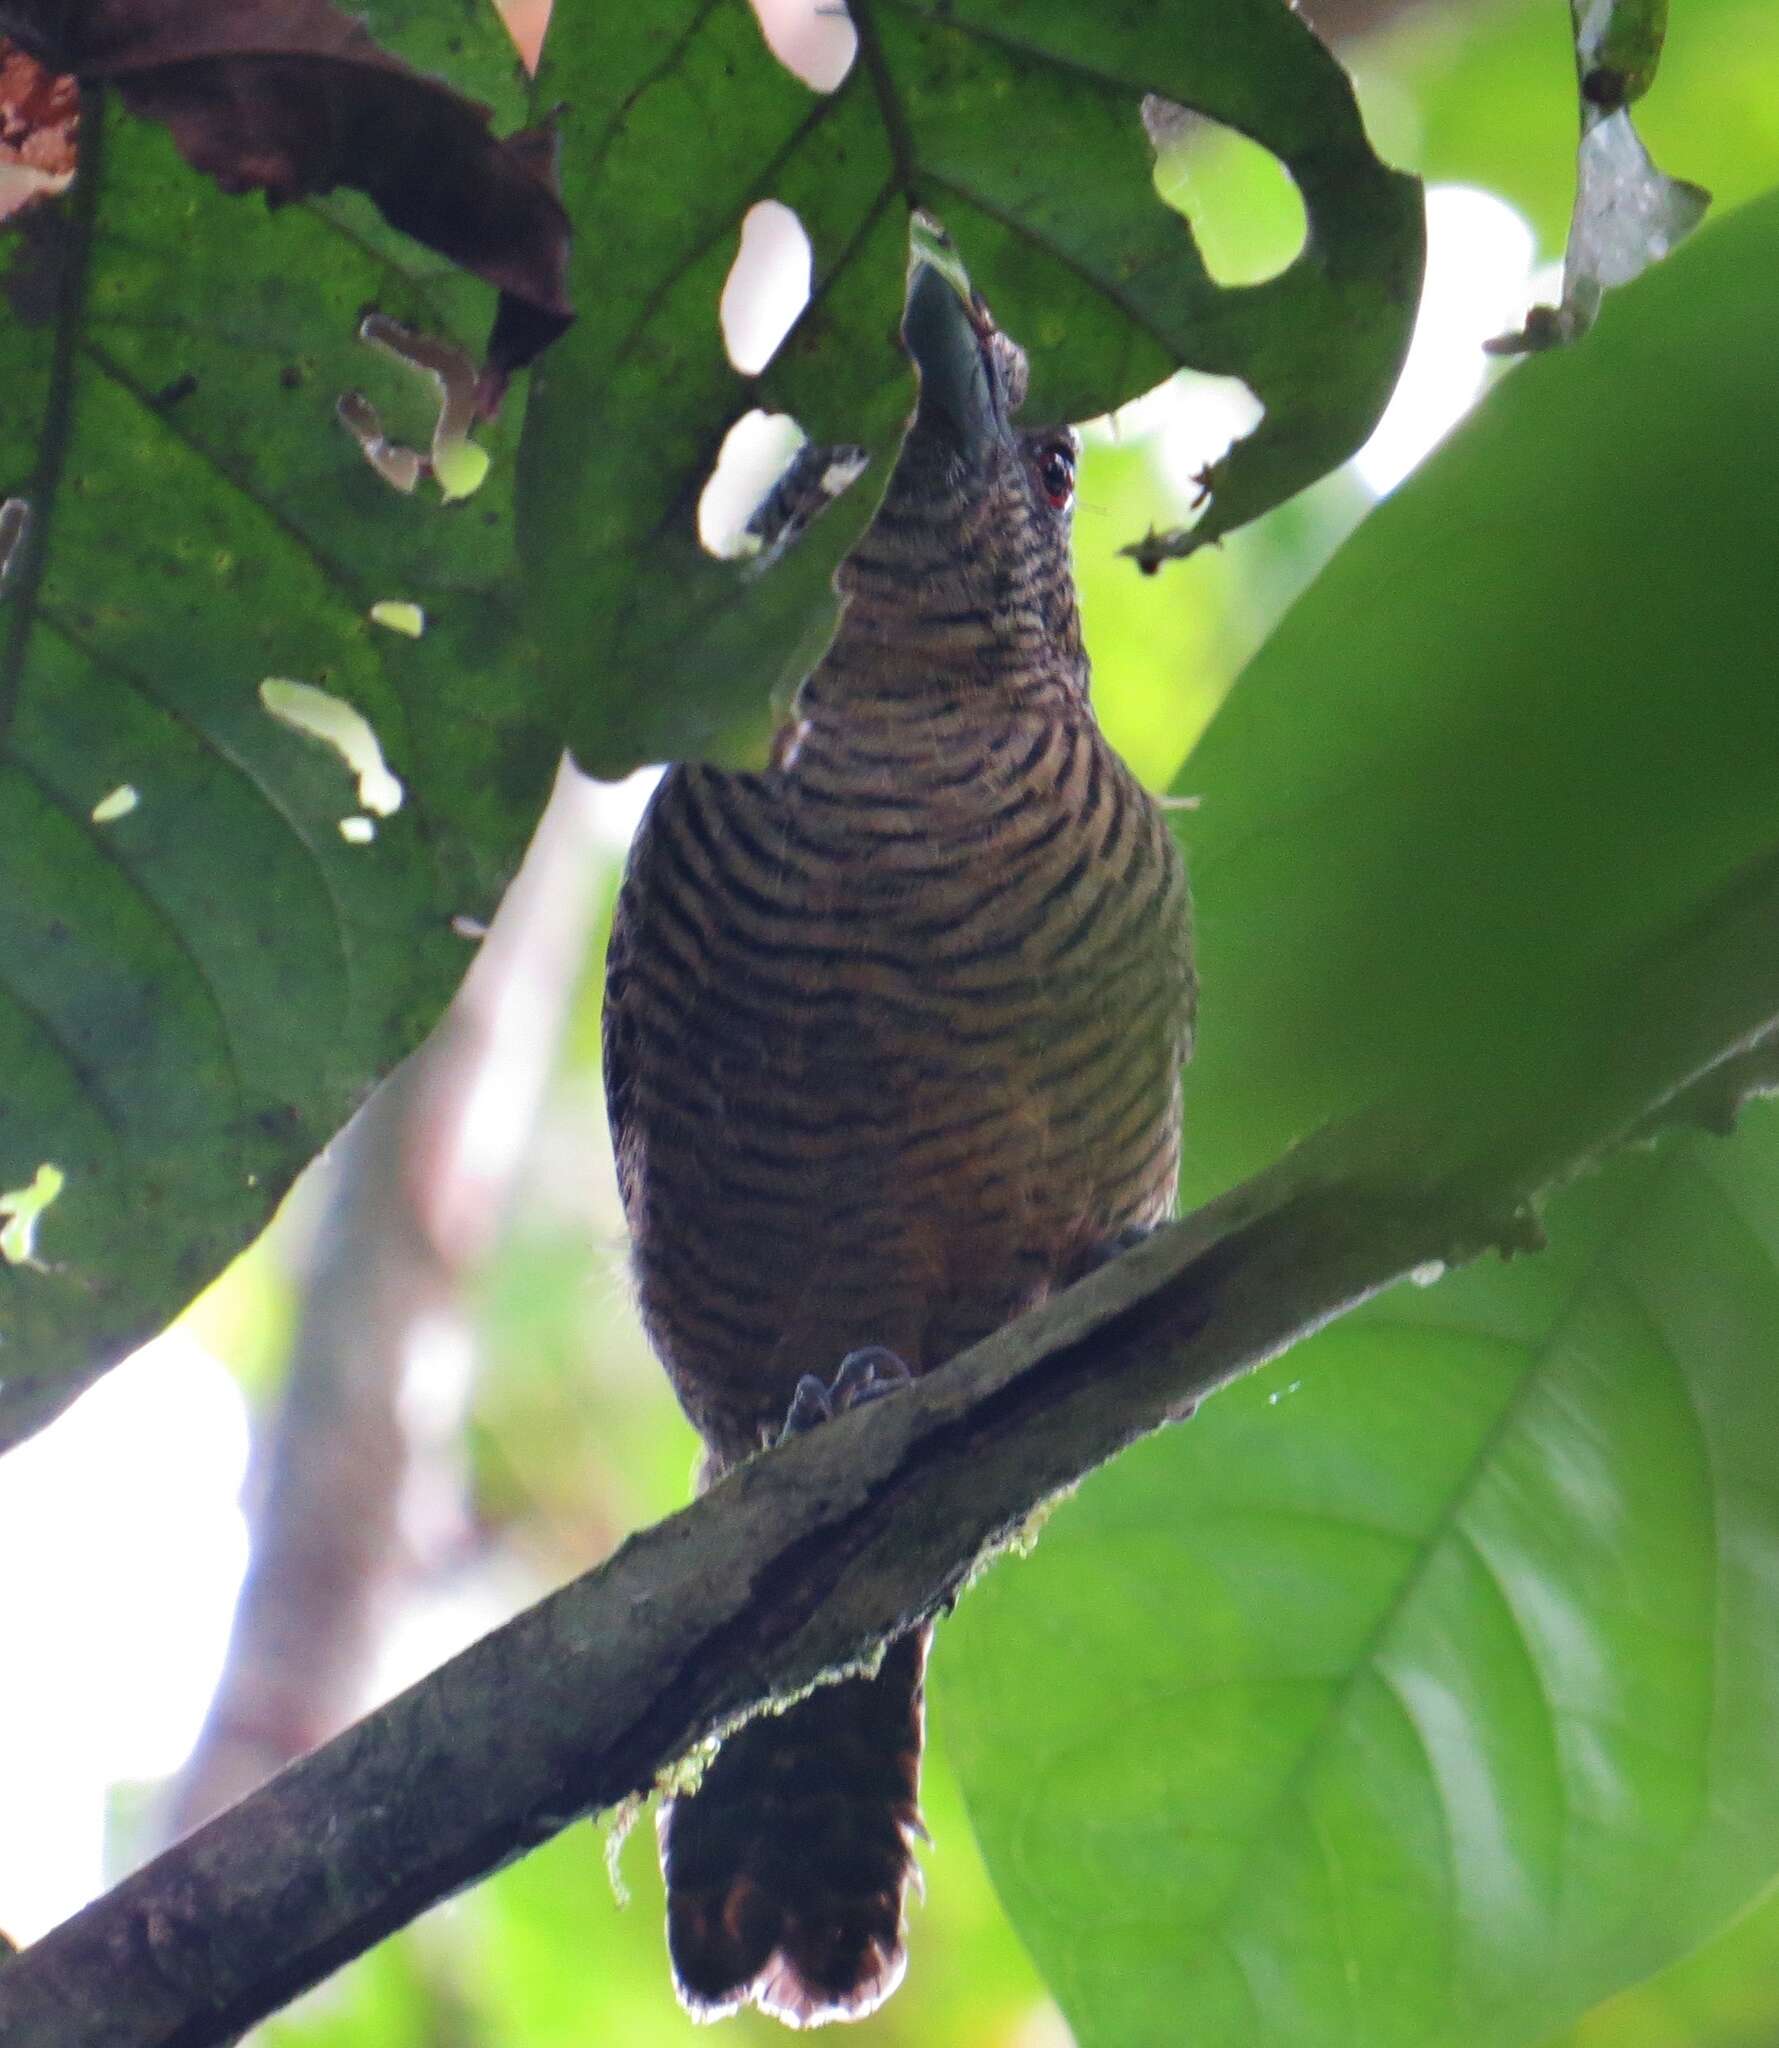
pixel 894 1032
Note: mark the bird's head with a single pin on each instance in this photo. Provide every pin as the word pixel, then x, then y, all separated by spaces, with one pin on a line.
pixel 971 541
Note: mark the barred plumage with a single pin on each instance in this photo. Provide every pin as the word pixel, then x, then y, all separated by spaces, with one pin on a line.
pixel 894 1036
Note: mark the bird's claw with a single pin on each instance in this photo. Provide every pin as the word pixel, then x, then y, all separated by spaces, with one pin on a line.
pixel 865 1375
pixel 810 1404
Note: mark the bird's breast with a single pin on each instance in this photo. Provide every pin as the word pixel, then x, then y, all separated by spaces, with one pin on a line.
pixel 907 1029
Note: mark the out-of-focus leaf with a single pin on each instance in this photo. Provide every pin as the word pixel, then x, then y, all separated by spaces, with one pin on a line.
pixel 1018 125
pixel 1627 214
pixel 195 995
pixel 294 98
pixel 1485 97
pixel 390 1998
pixel 1724 1995
pixel 1522 724
pixel 1420 1691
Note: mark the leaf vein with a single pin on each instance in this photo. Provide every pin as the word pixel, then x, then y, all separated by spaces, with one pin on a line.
pixel 334 572
pixel 106 663
pixel 107 852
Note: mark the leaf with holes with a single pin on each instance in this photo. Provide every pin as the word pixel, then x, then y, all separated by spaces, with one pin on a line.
pixel 1017 122
pixel 197 987
pixel 1422 1690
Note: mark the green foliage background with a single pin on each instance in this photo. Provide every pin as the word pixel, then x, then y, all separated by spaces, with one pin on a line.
pixel 194 995
pixel 1171 1716
pixel 1471 1587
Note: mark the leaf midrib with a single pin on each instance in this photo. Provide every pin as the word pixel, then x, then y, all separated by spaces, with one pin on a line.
pixel 1637 1197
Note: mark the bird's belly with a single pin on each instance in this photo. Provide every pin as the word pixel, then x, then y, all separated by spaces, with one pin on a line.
pixel 905 1154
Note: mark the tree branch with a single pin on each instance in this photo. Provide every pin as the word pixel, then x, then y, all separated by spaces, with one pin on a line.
pixel 796 1565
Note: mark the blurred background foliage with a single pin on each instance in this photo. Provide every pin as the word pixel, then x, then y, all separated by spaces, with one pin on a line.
pixel 459 1255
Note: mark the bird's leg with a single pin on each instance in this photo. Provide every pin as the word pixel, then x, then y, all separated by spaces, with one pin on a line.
pixel 1094 1256
pixel 865 1375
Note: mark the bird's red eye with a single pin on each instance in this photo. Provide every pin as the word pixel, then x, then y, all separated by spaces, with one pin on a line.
pixel 1056 473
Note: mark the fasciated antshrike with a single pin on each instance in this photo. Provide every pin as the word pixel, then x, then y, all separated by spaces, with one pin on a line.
pixel 894 1032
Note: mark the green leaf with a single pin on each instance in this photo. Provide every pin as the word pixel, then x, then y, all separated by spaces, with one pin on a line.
pixel 196 993
pixel 1018 125
pixel 1522 724
pixel 1723 1995
pixel 1420 1690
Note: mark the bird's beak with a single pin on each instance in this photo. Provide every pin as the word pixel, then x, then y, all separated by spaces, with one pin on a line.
pixel 959 389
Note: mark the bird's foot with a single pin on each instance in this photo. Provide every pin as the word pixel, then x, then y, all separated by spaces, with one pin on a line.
pixel 1109 1248
pixel 864 1375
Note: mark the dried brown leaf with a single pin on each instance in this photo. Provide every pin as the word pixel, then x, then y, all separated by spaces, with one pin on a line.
pixel 39 113
pixel 294 98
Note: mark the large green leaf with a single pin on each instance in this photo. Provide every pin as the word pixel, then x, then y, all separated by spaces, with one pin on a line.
pixel 1725 1994
pixel 195 995
pixel 1421 1691
pixel 1523 722
pixel 1017 122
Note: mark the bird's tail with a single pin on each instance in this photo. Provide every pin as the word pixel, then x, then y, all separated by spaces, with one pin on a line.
pixel 786 1869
